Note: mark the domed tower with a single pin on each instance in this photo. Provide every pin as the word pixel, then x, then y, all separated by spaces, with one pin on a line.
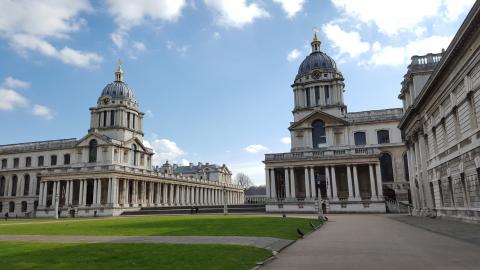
pixel 318 85
pixel 116 115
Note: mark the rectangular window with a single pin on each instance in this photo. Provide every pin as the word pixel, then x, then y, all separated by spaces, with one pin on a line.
pixel 440 191
pixel 473 114
pixel 53 160
pixel 105 118
pixel 360 138
pixel 40 161
pixel 66 159
pixel 128 119
pixel 307 96
pixel 327 92
pixel 28 162
pixel 16 162
pixel 99 119
pixel 133 121
pixel 383 136
pixel 4 163
pixel 450 187
pixel 317 95
pixel 112 118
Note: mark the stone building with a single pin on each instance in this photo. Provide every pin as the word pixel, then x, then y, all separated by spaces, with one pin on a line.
pixel 207 171
pixel 352 160
pixel 106 172
pixel 441 97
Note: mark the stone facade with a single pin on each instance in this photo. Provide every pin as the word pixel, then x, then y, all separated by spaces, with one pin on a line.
pixel 351 160
pixel 104 173
pixel 207 171
pixel 441 96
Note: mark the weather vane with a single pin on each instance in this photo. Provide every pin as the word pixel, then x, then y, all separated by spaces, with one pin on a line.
pixel 315 30
pixel 119 62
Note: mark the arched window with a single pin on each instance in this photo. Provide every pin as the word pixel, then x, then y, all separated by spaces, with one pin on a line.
pixel 318 133
pixel 134 151
pixel 386 167
pixel 14 185
pixel 92 151
pixel 2 186
pixel 360 138
pixel 383 136
pixel 26 184
pixel 11 207
pixel 24 206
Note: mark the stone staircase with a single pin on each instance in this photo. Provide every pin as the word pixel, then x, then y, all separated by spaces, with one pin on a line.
pixel 204 209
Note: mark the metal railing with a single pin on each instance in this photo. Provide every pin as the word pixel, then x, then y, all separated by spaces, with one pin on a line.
pixel 324 153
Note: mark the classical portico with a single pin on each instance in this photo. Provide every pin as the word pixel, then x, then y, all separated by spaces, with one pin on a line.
pixel 344 158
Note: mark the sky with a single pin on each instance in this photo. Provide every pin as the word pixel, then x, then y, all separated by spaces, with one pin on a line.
pixel 212 76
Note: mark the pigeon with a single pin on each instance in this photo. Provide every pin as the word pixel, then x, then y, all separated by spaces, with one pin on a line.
pixel 300 232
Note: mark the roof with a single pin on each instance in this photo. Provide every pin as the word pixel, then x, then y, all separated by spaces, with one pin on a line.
pixel 190 169
pixel 317 60
pixel 393 114
pixel 38 146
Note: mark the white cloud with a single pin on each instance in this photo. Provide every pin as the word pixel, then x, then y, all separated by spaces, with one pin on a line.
pixel 164 150
pixel 184 162
pixel 28 26
pixel 15 83
pixel 216 35
pixel 286 140
pixel 346 42
pixel 42 111
pixel 255 148
pixel 291 7
pixel 390 17
pixel 237 13
pixel 128 14
pixel 149 113
pixel 118 39
pixel 10 100
pixel 454 8
pixel 139 46
pixel 293 55
pixel 254 169
pixel 398 56
pixel 180 49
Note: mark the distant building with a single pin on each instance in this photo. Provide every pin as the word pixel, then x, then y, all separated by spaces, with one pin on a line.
pixel 441 97
pixel 255 195
pixel 107 171
pixel 207 171
pixel 352 160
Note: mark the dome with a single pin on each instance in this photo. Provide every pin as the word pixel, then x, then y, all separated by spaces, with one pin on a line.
pixel 317 60
pixel 118 91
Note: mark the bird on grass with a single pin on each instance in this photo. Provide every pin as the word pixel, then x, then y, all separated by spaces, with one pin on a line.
pixel 300 233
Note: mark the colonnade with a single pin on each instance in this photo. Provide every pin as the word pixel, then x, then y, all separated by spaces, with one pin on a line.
pixel 312 174
pixel 120 192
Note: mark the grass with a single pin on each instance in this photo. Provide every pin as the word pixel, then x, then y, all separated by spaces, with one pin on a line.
pixel 52 256
pixel 230 225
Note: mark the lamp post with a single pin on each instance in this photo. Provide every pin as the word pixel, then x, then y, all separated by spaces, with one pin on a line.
pixel 225 210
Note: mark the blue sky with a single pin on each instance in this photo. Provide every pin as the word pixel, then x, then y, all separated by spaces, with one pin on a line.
pixel 213 76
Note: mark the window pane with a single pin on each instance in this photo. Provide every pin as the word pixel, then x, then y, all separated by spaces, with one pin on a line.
pixel 383 136
pixel 360 138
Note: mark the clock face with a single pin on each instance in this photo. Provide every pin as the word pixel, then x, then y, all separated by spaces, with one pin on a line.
pixel 316 75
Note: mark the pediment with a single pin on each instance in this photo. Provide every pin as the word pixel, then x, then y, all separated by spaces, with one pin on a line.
pixel 307 121
pixel 101 139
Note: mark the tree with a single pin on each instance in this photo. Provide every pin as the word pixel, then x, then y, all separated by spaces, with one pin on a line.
pixel 243 180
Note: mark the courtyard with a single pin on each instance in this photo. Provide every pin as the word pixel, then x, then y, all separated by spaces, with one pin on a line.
pixel 174 242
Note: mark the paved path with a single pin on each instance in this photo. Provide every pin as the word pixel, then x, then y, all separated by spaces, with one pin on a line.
pixel 460 230
pixel 270 243
pixel 376 242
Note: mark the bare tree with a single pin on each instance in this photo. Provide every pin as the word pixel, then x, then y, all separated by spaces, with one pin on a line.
pixel 243 180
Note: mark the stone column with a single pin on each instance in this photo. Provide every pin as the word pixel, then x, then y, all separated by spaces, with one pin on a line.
pixel 20 184
pixel 54 192
pixel 109 191
pixel 99 192
pixel 67 192
pixel 287 184
pixel 379 182
pixel 272 178
pixel 349 179
pixel 40 195
pixel 170 200
pixel 95 188
pixel 313 187
pixel 84 200
pixel 70 201
pixel 293 192
pixel 329 186
pixel 372 181
pixel 355 183
pixel 45 193
pixel 307 184
pixel 334 184
pixel 267 182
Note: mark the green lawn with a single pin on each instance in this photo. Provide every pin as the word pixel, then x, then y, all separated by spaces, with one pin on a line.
pixel 217 225
pixel 17 255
